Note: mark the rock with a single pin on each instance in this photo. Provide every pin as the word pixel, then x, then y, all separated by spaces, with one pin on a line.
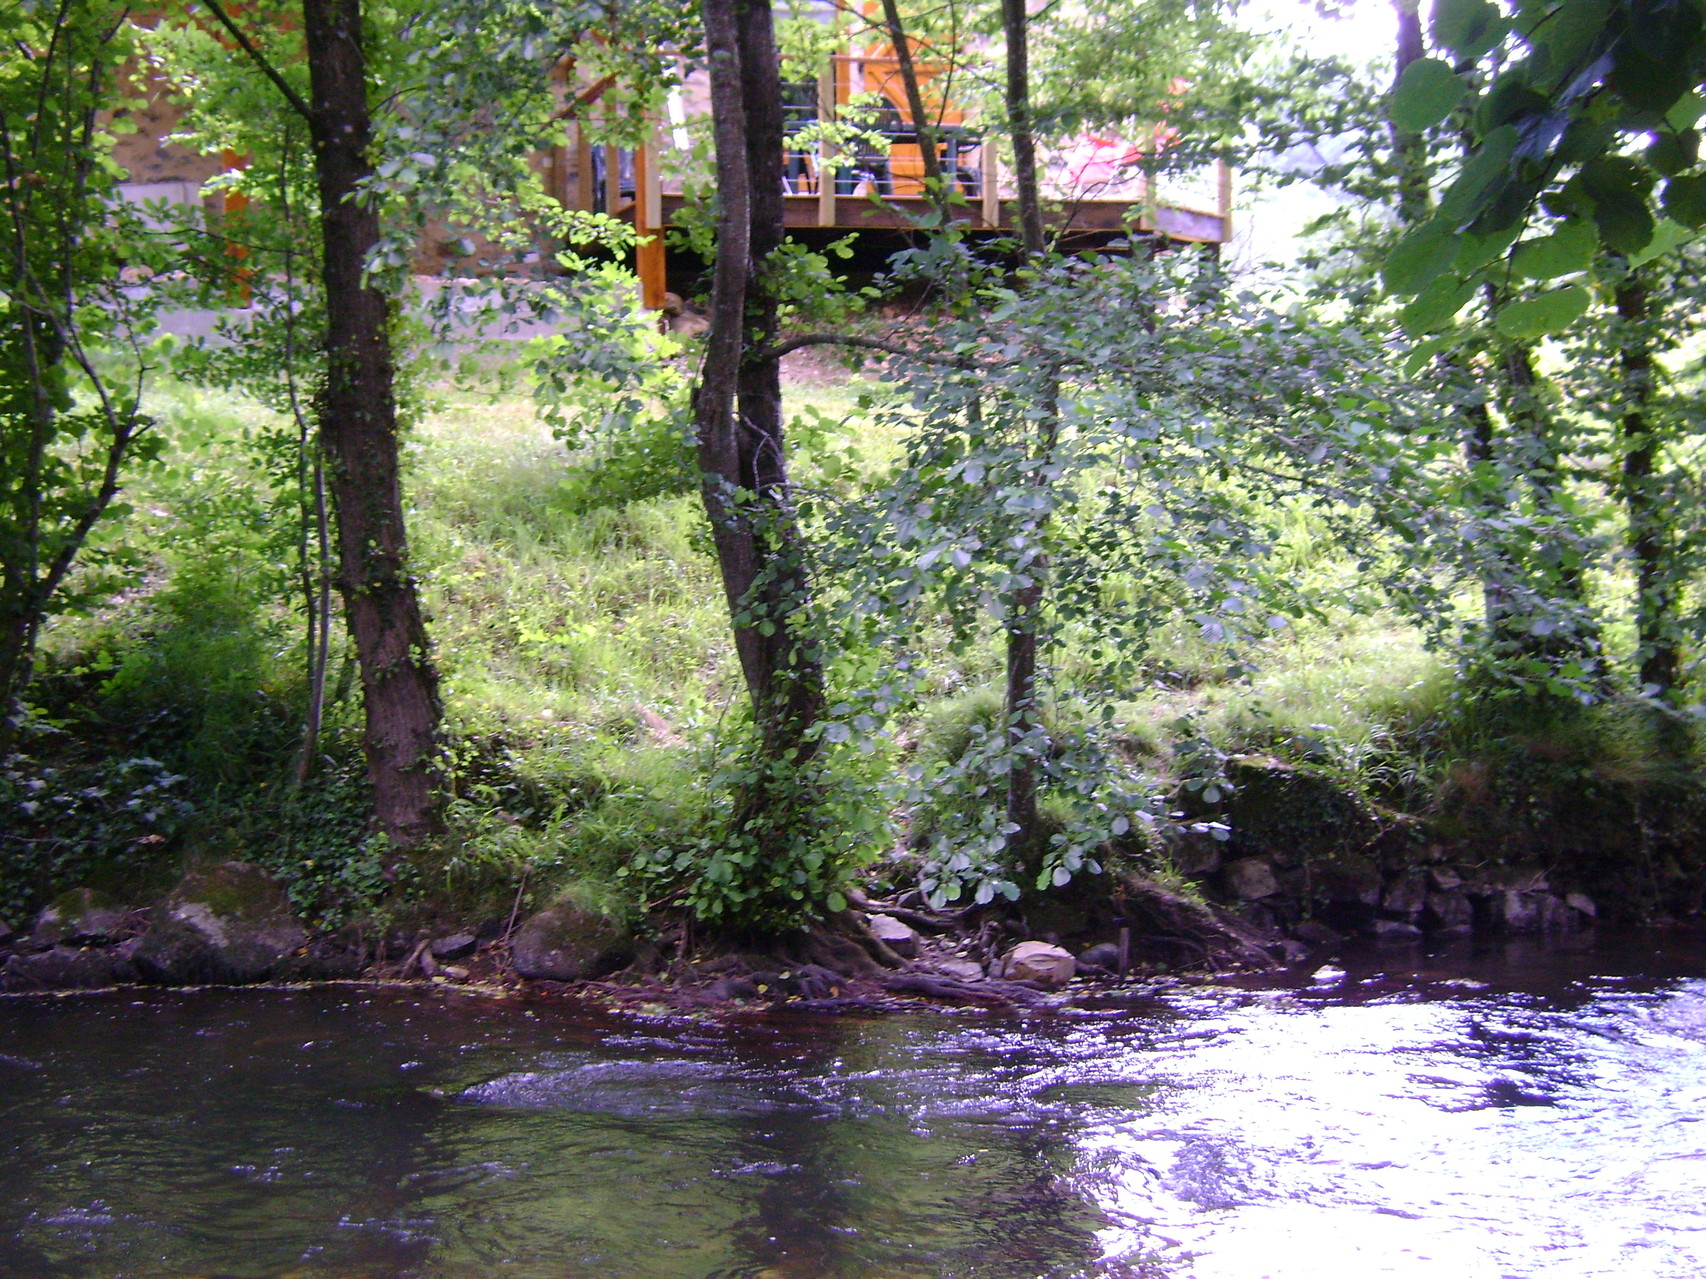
pixel 1039 962
pixel 1406 896
pixel 1517 911
pixel 1315 933
pixel 1555 916
pixel 454 946
pixel 1447 912
pixel 1251 878
pixel 1582 904
pixel 960 969
pixel 80 916
pixel 732 988
pixel 1349 879
pixel 67 968
pixel 897 936
pixel 6 933
pixel 1104 955
pixel 566 943
pixel 1444 878
pixel 1287 951
pixel 225 925
pixel 1194 853
pixel 340 956
pixel 1393 930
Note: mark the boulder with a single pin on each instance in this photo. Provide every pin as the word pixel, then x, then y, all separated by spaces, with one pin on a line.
pixel 1039 962
pixel 1582 904
pixel 1448 912
pixel 1103 955
pixel 66 968
pixel 1445 878
pixel 563 942
pixel 224 925
pixel 1406 896
pixel 896 935
pixel 1349 879
pixel 1194 853
pixel 339 956
pixel 80 916
pixel 1250 879
pixel 1315 933
pixel 454 946
pixel 960 969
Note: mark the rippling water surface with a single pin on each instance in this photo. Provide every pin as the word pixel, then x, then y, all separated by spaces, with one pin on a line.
pixel 1506 1112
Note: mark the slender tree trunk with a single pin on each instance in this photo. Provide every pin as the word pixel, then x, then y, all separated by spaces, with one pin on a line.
pixel 1659 656
pixel 934 188
pixel 358 429
pixel 738 404
pixel 1410 150
pixel 1015 25
pixel 1025 734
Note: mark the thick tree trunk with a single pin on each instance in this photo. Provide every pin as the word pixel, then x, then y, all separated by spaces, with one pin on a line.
pixel 1015 24
pixel 1659 656
pixel 358 430
pixel 738 405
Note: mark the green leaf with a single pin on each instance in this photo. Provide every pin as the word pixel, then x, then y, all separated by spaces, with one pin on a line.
pixel 1624 222
pixel 1668 237
pixel 1671 153
pixel 1422 352
pixel 1549 313
pixel 835 902
pixel 1417 259
pixel 1685 200
pixel 1436 305
pixel 1475 251
pixel 1569 248
pixel 1483 175
pixel 1469 28
pixel 1427 92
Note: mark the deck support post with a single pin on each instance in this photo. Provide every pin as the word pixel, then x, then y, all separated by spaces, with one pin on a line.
pixel 648 223
pixel 826 148
pixel 991 186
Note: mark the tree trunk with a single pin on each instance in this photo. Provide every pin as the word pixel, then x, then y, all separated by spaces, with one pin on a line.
pixel 358 431
pixel 1015 25
pixel 738 404
pixel 1659 655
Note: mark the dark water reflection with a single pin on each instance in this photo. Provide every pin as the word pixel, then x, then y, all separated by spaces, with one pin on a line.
pixel 1502 1112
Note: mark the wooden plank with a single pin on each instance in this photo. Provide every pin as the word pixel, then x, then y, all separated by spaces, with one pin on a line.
pixel 826 149
pixel 583 169
pixel 649 225
pixel 991 186
pixel 1223 184
pixel 612 181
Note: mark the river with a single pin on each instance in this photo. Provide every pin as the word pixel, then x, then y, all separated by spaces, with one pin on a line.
pixel 1480 1112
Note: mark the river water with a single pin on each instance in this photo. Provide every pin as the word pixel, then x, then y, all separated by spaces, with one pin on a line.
pixel 1471 1114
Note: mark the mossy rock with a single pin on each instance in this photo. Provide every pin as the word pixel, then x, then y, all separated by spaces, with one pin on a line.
pixel 227 925
pixel 568 942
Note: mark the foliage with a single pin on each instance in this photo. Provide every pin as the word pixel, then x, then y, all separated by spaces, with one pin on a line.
pixel 72 326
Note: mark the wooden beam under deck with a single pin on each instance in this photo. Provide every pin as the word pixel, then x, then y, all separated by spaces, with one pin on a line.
pixel 898 213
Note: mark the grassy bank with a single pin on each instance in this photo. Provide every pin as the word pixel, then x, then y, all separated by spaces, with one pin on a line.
pixel 588 679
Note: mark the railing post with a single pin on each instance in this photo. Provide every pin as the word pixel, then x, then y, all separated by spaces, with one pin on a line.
pixel 583 169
